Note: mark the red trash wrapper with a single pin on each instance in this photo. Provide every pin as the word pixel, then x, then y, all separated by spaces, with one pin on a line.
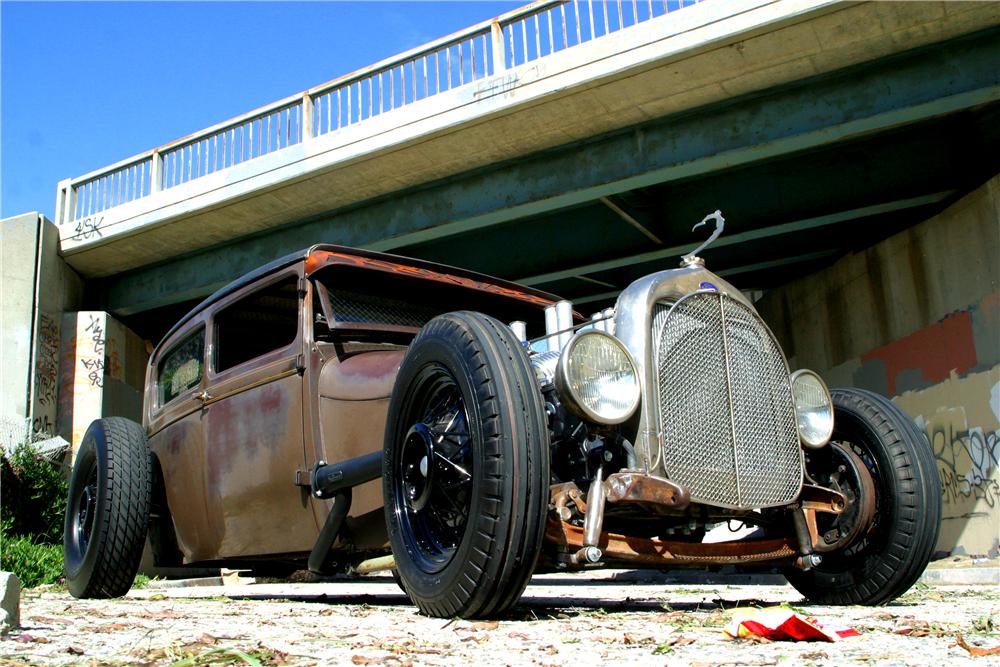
pixel 784 624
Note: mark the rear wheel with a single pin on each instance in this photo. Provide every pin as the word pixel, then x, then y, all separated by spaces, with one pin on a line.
pixel 466 468
pixel 107 513
pixel 880 552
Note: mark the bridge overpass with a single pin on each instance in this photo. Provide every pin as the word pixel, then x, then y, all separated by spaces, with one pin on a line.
pixel 571 146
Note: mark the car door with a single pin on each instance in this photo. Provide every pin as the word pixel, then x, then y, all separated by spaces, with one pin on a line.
pixel 252 418
pixel 174 414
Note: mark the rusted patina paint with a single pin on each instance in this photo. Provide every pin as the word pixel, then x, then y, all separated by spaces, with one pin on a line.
pixel 933 352
pixel 321 258
pixel 361 377
pixel 253 448
pixel 180 450
pixel 354 396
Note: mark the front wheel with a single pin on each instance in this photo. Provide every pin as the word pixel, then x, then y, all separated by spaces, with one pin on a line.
pixel 107 513
pixel 885 556
pixel 466 468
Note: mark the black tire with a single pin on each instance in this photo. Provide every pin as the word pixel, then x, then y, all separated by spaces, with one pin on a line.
pixel 399 582
pixel 889 555
pixel 107 514
pixel 466 532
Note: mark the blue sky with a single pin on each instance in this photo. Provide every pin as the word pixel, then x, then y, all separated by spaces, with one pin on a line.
pixel 86 84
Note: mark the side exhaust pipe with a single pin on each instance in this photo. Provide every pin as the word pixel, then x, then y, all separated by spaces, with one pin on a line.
pixel 335 480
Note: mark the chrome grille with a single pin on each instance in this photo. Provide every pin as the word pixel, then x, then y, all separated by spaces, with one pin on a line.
pixel 725 404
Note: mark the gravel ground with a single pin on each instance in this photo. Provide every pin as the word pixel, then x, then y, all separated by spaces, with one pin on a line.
pixel 604 618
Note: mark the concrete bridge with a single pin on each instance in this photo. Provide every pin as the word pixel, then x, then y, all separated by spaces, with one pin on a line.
pixel 571 145
pixel 591 136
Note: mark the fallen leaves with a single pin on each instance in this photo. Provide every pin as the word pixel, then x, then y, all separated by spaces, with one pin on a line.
pixel 158 615
pixel 975 650
pixel 485 625
pixel 380 660
pixel 668 646
pixel 194 653
pixel 815 655
pixel 919 628
pixel 114 626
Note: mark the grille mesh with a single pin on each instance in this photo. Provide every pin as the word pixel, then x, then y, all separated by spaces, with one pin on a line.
pixel 349 306
pixel 725 402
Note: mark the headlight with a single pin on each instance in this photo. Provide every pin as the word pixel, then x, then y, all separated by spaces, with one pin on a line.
pixel 596 378
pixel 813 409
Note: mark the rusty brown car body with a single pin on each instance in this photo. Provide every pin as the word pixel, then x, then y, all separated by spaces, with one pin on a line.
pixel 337 404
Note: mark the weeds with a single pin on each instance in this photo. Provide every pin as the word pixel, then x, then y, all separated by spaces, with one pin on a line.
pixel 985 624
pixel 33 563
pixel 34 494
pixel 34 503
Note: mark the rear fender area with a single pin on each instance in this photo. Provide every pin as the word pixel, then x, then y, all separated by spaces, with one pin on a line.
pixel 162 537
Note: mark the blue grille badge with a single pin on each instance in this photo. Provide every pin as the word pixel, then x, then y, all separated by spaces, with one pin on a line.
pixel 708 285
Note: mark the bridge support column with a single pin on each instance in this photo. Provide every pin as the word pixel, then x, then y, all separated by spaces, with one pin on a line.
pixel 37 287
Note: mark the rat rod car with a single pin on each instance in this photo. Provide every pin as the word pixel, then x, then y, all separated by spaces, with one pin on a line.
pixel 337 403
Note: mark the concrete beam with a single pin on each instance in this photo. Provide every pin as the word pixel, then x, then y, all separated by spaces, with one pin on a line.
pixel 753 235
pixel 732 271
pixel 819 112
pixel 627 217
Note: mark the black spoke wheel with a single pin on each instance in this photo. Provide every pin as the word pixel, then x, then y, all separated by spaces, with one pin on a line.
pixel 465 472
pixel 107 512
pixel 878 548
pixel 435 470
pixel 84 508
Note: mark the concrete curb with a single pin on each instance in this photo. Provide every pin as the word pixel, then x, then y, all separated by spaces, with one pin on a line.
pixel 186 583
pixel 961 576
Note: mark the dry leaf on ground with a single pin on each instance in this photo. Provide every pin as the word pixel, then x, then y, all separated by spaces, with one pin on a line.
pixel 975 650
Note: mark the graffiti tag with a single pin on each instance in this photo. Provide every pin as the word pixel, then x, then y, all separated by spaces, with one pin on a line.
pixel 966 461
pixel 95 367
pixel 42 425
pixel 89 227
pixel 47 368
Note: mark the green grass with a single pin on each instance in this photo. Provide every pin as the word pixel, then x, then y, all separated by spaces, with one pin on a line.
pixel 33 563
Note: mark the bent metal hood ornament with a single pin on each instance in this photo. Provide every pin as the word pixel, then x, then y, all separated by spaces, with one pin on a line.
pixel 692 258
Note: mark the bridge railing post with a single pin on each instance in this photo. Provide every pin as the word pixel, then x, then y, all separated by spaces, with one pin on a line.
pixel 308 117
pixel 499 53
pixel 155 172
pixel 65 198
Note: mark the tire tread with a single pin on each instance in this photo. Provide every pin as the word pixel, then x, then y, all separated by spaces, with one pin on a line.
pixel 122 522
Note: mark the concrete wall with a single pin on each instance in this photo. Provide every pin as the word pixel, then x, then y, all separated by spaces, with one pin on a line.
pixel 18 248
pixel 102 372
pixel 59 368
pixel 36 287
pixel 917 317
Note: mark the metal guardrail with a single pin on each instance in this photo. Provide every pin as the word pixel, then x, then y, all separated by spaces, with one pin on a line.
pixel 480 51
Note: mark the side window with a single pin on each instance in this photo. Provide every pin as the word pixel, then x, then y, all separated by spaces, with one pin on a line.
pixel 180 368
pixel 264 321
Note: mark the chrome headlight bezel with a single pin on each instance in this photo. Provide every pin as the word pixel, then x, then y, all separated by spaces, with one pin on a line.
pixel 818 416
pixel 572 399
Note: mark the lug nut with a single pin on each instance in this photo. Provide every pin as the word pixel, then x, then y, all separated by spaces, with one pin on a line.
pixel 810 561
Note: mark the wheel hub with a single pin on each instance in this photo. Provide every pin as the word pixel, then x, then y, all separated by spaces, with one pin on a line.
pixel 848 475
pixel 417 473
pixel 86 512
